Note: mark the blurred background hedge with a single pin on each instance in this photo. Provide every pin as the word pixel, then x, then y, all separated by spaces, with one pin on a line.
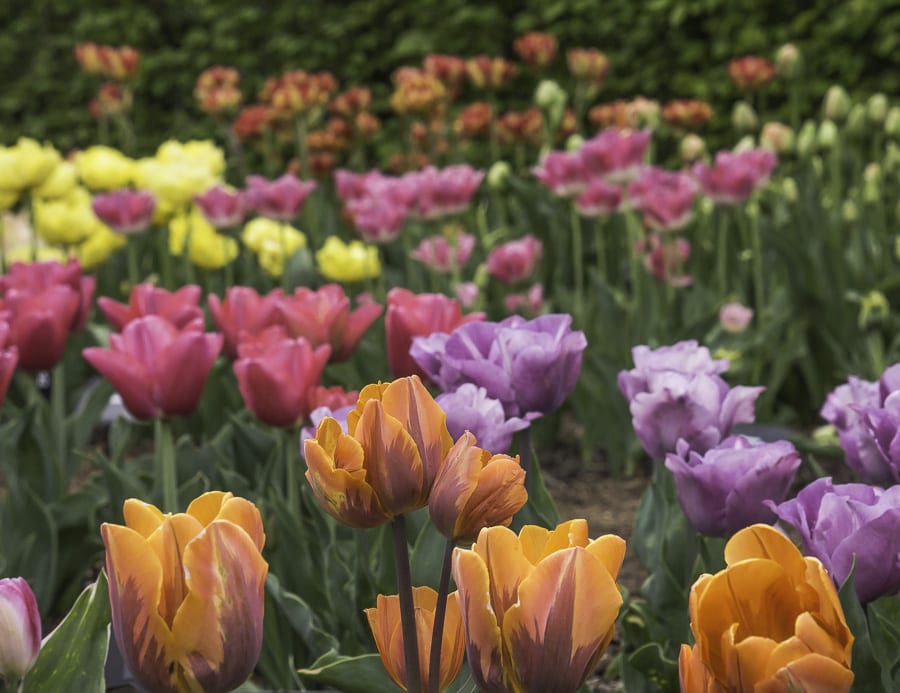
pixel 659 48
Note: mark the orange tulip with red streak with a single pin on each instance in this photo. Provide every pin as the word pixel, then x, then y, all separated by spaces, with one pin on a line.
pixel 384 620
pixel 770 621
pixel 538 608
pixel 186 592
pixel 475 489
pixel 387 462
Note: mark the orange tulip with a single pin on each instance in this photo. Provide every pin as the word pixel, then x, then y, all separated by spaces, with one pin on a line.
pixel 538 608
pixel 387 462
pixel 770 621
pixel 186 592
pixel 384 620
pixel 474 490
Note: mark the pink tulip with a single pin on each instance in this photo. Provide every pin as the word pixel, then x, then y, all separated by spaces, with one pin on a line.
pixel 615 155
pixel 377 219
pixel 36 276
pixel 334 397
pixel 180 307
pixel 39 324
pixel 418 315
pixel 280 199
pixel 735 176
pixel 223 208
pixel 9 359
pixel 243 312
pixel 666 260
pixel 157 369
pixel 664 198
pixel 20 629
pixel 125 211
pixel 323 316
pixel 734 317
pixel 515 261
pixel 563 172
pixel 467 293
pixel 444 255
pixel 442 192
pixel 530 303
pixel 275 381
pixel 599 199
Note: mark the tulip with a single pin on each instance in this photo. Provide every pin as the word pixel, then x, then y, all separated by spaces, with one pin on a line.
pixel 99 246
pixel 9 359
pixel 614 155
pixel 515 261
pixel 469 408
pixel 443 255
pixel 27 164
pixel 157 369
pixel 347 262
pixel 735 176
pixel 323 316
pixel 223 207
pixel 190 232
pixel 174 181
pixel 467 294
pixel 474 489
pixel 243 311
pixel 687 114
pixel 187 592
pixel 538 608
pixel 39 325
pixel 274 242
pixel 20 629
pixel 530 303
pixel 112 62
pixel 443 192
pixel 588 65
pixel 665 199
pixel 181 308
pixel 384 620
pixel 125 211
pixel 412 315
pixel 34 277
pixel 850 524
pixel 201 154
pixel 563 173
pixel 65 220
pixel 377 220
pixel 275 383
pixel 317 415
pixel 531 366
pixel 726 488
pixel 666 260
pixel 486 72
pixel 104 168
pixel 751 72
pixel 280 199
pixel 599 199
pixel 536 49
pixel 770 621
pixel 474 120
pixel 386 463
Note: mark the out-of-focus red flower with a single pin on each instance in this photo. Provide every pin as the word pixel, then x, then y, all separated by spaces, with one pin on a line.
pixel 526 127
pixel 181 308
pixel 39 324
pixel 474 120
pixel 536 49
pixel 751 72
pixel 298 92
pixel 666 259
pixel 323 316
pixel 112 99
pixel 218 90
pixel 157 369
pixel 334 397
pixel 111 62
pixel 530 303
pixel 366 125
pixel 665 199
pixel 687 114
pixel 515 261
pixel 564 173
pixel 36 276
pixel 418 315
pixel 243 312
pixel 350 103
pixel 280 199
pixel 252 121
pixel 321 164
pixel 445 253
pixel 417 92
pixel 449 69
pixel 488 72
pixel 588 65
pixel 222 207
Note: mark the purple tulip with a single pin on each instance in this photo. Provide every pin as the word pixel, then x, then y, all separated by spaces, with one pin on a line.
pixel 20 629
pixel 599 199
pixel 734 177
pixel 442 192
pixel 470 409
pixel 676 392
pixel 723 490
pixel 280 199
pixel 223 208
pixel 125 211
pixel 866 416
pixel 838 523
pixel 615 155
pixel 665 199
pixel 563 172
pixel 531 366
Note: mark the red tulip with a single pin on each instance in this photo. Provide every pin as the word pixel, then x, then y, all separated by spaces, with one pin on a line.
pixel 157 369
pixel 9 357
pixel 418 315
pixel 39 324
pixel 334 397
pixel 180 307
pixel 243 310
pixel 323 316
pixel 275 379
pixel 36 276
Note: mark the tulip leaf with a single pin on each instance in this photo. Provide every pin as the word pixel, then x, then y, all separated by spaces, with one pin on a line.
pixel 427 556
pixel 73 656
pixel 361 674
pixel 302 618
pixel 866 670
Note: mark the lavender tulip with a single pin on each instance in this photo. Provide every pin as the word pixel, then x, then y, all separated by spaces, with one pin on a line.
pixel 531 366
pixel 20 629
pixel 470 409
pixel 723 490
pixel 840 522
pixel 675 392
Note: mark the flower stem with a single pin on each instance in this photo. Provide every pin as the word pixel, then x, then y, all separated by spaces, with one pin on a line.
pixel 577 265
pixel 289 441
pixel 58 408
pixel 165 465
pixel 133 272
pixel 437 632
pixel 407 610
pixel 523 438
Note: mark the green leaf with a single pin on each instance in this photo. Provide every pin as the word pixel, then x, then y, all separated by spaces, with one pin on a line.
pixel 73 656
pixel 362 674
pixel 867 672
pixel 302 618
pixel 427 556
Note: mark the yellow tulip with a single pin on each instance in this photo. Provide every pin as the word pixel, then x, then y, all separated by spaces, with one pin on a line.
pixel 8 199
pixel 66 220
pixel 198 153
pixel 384 620
pixel 273 241
pixel 348 262
pixel 474 489
pixel 187 592
pixel 173 182
pixel 386 464
pixel 26 164
pixel 23 253
pixel 208 249
pixel 61 181
pixel 538 608
pixel 770 621
pixel 104 168
pixel 99 246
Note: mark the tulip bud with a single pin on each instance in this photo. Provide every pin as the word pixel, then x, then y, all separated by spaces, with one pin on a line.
pixel 549 95
pixel 744 118
pixel 20 629
pixel 827 135
pixel 872 183
pixel 877 108
pixel 806 139
pixel 497 175
pixel 818 167
pixel 873 310
pixel 837 104
pixel 892 122
pixel 692 148
pixel 891 158
pixel 856 121
pixel 778 137
pixel 787 61
pixel 789 190
pixel 745 144
pixel 850 211
pixel 574 142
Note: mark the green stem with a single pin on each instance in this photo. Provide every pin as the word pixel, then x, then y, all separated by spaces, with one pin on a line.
pixel 289 441
pixel 285 282
pixel 523 438
pixel 165 465
pixel 302 151
pixel 600 247
pixel 758 288
pixel 133 272
pixel 437 632
pixel 721 241
pixel 635 236
pixel 189 275
pixel 577 264
pixel 165 259
pixel 58 408
pixel 407 609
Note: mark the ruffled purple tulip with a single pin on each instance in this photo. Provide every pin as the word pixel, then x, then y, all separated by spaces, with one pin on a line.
pixel 280 199
pixel 615 155
pixel 443 192
pixel 223 207
pixel 469 408
pixel 665 199
pixel 599 199
pixel 125 211
pixel 734 177
pixel 839 522
pixel 676 392
pixel 722 491
pixel 440 254
pixel 377 219
pixel 563 172
pixel 531 366
pixel 866 416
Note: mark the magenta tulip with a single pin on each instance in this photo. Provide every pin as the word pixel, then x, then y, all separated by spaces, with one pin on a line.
pixel 223 208
pixel 125 211
pixel 243 311
pixel 180 307
pixel 280 199
pixel 39 324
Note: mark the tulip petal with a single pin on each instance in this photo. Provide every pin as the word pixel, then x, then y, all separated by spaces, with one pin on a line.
pixel 169 542
pixel 565 609
pixel 131 380
pixel 693 675
pixel 245 515
pixel 763 541
pixel 503 554
pixel 610 550
pixel 219 625
pixel 538 543
pixel 746 661
pixel 181 370
pixel 499 494
pixel 206 507
pixel 811 673
pixel 142 517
